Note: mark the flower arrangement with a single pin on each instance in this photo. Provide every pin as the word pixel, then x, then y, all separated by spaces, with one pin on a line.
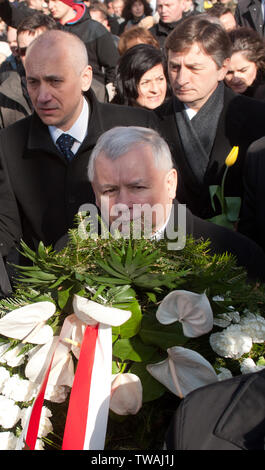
pixel 176 321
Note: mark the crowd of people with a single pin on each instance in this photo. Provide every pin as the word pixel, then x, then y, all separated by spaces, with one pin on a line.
pixel 124 102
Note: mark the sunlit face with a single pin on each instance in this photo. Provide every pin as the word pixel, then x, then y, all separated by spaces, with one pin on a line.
pixel 60 11
pixel 194 75
pixel 133 178
pixel 228 21
pixel 55 86
pixel 241 73
pixel 152 88
pixel 118 6
pixel 170 10
pixel 137 9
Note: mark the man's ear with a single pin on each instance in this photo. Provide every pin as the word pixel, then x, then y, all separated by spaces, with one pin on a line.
pixel 86 78
pixel 172 181
pixel 224 69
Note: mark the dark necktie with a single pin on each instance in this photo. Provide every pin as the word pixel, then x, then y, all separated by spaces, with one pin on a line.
pixel 65 143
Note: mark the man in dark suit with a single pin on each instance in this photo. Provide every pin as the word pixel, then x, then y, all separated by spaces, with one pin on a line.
pixel 132 175
pixel 43 176
pixel 252 220
pixel 204 119
pixel 249 13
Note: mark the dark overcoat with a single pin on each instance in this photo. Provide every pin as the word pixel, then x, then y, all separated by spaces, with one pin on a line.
pixel 241 122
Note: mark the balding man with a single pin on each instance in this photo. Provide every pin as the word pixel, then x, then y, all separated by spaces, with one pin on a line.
pixel 44 157
pixel 132 175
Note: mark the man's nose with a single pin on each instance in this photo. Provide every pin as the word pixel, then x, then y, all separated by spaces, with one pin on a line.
pixel 182 76
pixel 44 94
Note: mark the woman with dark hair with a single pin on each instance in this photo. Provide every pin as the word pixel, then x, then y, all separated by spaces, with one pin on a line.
pixel 246 73
pixel 141 77
pixel 133 12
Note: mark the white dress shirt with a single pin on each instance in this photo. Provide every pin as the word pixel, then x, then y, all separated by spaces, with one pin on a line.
pixel 78 129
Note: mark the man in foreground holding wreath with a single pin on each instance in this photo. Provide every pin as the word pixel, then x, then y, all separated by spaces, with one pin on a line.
pixel 132 175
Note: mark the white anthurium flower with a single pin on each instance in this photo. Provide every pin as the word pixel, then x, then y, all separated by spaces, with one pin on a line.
pixel 126 394
pixel 28 323
pixel 93 313
pixel 183 371
pixel 62 370
pixel 191 309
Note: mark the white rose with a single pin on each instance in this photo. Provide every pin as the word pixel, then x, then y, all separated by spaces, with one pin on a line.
pixel 19 389
pixel 248 366
pixel 9 413
pixel 56 393
pixel 12 357
pixel 45 426
pixel 8 441
pixel 224 374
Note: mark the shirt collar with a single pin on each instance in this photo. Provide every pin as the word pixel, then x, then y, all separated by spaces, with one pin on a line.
pixel 78 129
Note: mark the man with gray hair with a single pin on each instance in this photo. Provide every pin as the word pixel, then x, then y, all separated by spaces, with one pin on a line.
pixel 44 157
pixel 131 170
pixel 204 119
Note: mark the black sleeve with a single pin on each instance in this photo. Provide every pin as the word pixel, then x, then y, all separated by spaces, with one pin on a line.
pixel 249 255
pixel 108 55
pixel 10 228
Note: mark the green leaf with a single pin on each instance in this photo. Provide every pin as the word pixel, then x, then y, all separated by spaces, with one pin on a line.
pixel 152 389
pixel 215 190
pixel 132 326
pixel 233 205
pixel 133 350
pixel 63 297
pixel 164 336
pixel 222 220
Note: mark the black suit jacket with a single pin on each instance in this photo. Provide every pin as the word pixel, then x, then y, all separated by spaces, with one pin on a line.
pixel 40 192
pixel 247 253
pixel 248 13
pixel 252 221
pixel 240 123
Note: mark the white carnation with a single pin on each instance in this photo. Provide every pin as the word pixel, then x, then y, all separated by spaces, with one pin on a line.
pixel 4 376
pixel 224 374
pixel 19 389
pixel 231 342
pixel 9 413
pixel 8 441
pixel 248 366
pixel 3 348
pixel 254 326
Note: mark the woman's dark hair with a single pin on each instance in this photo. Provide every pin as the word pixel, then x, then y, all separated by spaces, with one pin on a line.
pixel 250 44
pixel 127 10
pixel 131 67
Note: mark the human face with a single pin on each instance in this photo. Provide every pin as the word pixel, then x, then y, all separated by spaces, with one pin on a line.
pixel 55 86
pixel 132 179
pixel 137 9
pixel 60 11
pixel 170 10
pixel 23 41
pixel 228 21
pixel 241 73
pixel 152 88
pixel 118 6
pixel 194 75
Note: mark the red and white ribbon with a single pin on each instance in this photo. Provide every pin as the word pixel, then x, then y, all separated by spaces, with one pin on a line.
pixel 87 416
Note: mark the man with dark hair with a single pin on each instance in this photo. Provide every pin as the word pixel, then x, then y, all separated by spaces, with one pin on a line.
pixel 44 157
pixel 224 14
pixel 14 99
pixel 204 119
